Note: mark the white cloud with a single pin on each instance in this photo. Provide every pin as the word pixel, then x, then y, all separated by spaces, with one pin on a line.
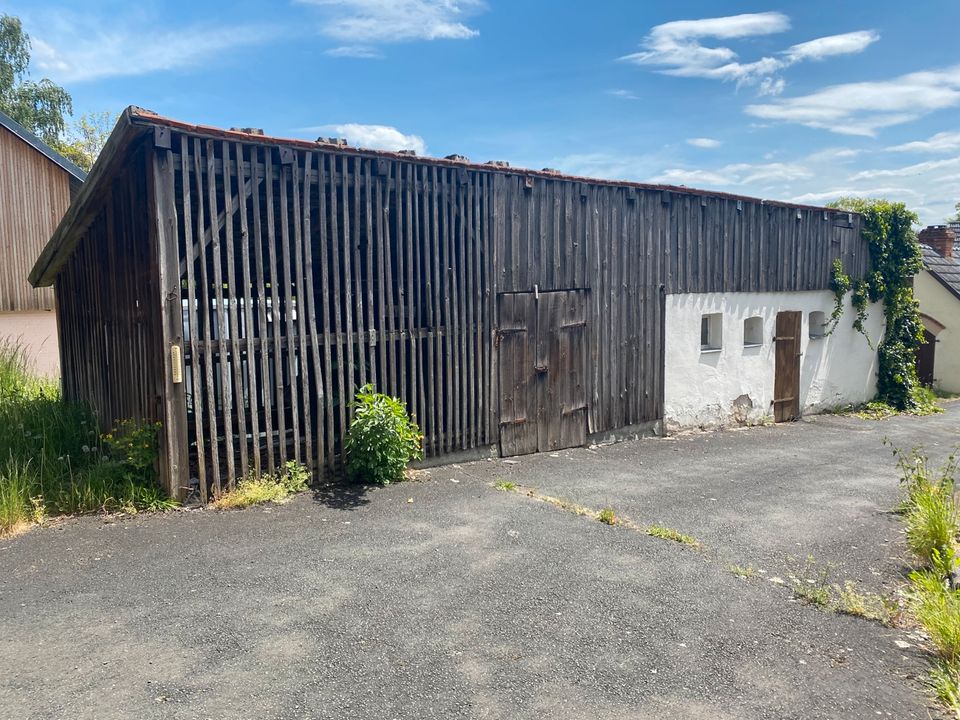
pixel 374 137
pixel 676 48
pixel 908 170
pixel 941 142
pixel 827 196
pixel 844 44
pixel 355 51
pixel 735 174
pixel 703 142
pixel 75 48
pixel 623 94
pixel 862 108
pixel 930 188
pixel 375 21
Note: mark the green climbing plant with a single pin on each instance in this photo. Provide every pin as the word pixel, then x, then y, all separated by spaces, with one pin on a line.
pixel 895 258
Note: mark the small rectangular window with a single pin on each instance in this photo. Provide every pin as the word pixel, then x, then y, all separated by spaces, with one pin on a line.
pixel 753 331
pixel 711 331
pixel 818 324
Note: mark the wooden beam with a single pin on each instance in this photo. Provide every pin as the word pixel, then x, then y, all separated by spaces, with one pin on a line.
pixel 174 456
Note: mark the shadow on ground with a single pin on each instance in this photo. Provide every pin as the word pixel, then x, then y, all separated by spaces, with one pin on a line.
pixel 342 495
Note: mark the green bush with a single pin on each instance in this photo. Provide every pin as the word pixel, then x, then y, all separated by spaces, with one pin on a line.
pixel 382 439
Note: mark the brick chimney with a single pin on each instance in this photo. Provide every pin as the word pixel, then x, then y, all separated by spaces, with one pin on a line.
pixel 940 238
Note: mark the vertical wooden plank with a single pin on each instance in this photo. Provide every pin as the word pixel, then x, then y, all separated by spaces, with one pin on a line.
pixel 429 418
pixel 470 349
pixel 277 315
pixel 373 328
pixel 264 327
pixel 174 460
pixel 400 279
pixel 337 272
pixel 440 437
pixel 411 294
pixel 446 241
pixel 301 281
pixel 362 346
pixel 324 183
pixel 236 363
pixel 195 361
pixel 205 299
pixel 418 325
pixel 289 309
pixel 226 394
pixel 247 306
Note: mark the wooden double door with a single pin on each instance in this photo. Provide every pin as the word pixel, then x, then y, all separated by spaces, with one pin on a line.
pixel 542 357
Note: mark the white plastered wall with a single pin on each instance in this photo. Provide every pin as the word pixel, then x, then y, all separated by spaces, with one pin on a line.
pixel 734 385
pixel 939 304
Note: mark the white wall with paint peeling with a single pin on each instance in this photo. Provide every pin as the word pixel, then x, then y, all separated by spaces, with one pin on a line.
pixel 734 385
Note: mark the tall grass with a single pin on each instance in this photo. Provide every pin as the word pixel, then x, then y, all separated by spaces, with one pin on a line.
pixel 52 457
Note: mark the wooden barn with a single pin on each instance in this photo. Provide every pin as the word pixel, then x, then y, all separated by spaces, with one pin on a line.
pixel 239 288
pixel 36 187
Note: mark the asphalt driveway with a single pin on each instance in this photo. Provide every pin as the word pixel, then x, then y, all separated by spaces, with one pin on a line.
pixel 448 599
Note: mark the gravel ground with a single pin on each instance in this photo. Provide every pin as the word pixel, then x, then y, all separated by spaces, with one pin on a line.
pixel 448 599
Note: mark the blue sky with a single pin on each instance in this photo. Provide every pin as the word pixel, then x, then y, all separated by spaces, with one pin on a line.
pixel 800 101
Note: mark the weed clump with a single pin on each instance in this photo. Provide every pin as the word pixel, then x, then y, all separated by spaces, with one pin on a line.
pixel 666 533
pixel 607 516
pixel 275 488
pixel 53 459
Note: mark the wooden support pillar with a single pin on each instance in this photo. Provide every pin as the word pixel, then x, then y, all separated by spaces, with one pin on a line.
pixel 174 455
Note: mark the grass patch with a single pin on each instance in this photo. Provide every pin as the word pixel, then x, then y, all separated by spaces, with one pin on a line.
pixel 665 533
pixel 869 606
pixel 944 394
pixel 53 459
pixel 607 516
pixel 925 403
pixel 275 488
pixel 505 485
pixel 744 573
pixel 945 682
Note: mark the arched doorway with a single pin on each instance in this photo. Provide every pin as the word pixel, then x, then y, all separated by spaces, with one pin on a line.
pixel 926 353
pixel 925 358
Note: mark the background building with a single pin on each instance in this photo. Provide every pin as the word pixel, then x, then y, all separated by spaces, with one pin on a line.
pixel 36 186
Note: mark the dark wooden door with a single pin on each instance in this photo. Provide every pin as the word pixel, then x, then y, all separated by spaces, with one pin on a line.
pixel 518 383
pixel 925 357
pixel 786 384
pixel 543 397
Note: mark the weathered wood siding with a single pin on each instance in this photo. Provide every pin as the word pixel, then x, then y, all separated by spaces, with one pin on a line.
pixel 34 194
pixel 288 276
pixel 108 309
pixel 305 274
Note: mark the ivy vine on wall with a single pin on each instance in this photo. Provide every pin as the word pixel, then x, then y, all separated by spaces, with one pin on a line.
pixel 895 258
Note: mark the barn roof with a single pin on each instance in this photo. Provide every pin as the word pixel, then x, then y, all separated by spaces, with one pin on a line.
pixel 40 146
pixel 136 122
pixel 944 269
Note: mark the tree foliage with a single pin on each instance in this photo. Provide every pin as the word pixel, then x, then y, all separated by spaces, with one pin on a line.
pixel 82 143
pixel 41 107
pixel 895 258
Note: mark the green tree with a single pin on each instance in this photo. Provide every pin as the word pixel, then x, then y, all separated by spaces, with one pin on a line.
pixel 41 107
pixel 86 137
pixel 956 215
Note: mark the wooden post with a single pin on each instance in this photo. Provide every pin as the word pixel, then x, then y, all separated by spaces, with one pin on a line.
pixel 174 458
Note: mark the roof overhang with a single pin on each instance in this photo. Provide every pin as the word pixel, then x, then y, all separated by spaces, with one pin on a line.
pixel 85 205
